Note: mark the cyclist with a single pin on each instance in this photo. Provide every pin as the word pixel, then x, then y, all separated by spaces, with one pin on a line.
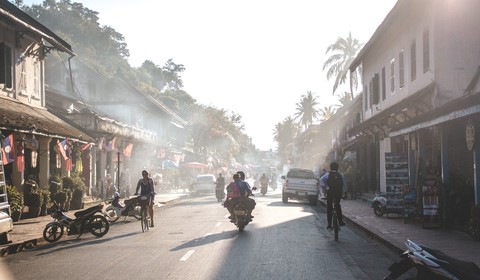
pixel 147 188
pixel 334 184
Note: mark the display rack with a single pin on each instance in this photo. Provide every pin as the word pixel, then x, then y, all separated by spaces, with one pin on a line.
pixel 396 172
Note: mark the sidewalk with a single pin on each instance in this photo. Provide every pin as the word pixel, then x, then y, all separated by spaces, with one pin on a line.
pixel 393 232
pixel 28 233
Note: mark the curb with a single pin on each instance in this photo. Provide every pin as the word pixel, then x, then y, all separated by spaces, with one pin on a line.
pixel 368 232
pixel 13 248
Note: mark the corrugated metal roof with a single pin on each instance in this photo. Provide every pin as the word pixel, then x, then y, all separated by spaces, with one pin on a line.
pixel 17 116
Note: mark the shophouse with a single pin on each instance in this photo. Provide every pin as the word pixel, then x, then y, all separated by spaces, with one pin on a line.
pixel 34 130
pixel 133 131
pixel 421 103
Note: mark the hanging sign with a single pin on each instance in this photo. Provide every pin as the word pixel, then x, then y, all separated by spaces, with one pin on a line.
pixel 470 134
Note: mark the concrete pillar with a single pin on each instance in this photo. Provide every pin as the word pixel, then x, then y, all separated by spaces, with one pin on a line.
pixel 44 161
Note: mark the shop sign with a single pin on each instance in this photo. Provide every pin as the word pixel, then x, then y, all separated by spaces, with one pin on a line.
pixel 470 134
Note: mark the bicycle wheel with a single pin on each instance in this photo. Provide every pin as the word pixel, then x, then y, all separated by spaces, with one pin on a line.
pixel 144 220
pixel 336 226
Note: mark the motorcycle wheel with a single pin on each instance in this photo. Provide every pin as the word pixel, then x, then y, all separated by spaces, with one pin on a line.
pixel 137 210
pixel 98 225
pixel 240 224
pixel 378 209
pixel 52 232
pixel 111 215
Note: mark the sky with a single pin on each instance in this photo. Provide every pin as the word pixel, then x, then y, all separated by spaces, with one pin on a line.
pixel 255 58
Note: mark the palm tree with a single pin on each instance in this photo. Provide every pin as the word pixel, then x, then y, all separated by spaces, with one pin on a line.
pixel 344 51
pixel 285 132
pixel 327 112
pixel 306 109
pixel 344 98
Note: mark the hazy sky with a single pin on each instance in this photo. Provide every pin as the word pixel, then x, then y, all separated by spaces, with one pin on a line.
pixel 253 57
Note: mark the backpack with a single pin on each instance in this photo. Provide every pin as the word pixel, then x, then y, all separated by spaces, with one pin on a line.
pixel 335 182
pixel 233 191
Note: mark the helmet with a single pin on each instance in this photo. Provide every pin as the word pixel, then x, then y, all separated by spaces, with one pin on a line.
pixel 116 194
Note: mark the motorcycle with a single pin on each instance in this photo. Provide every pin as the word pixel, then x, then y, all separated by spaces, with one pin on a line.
pixel 85 221
pixel 432 264
pixel 384 203
pixel 219 193
pixel 241 218
pixel 115 209
pixel 263 188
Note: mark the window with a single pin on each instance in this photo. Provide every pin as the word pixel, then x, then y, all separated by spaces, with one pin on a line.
pixel 413 61
pixel 392 75
pixel 5 65
pixel 370 95
pixel 22 85
pixel 401 69
pixel 36 79
pixel 384 86
pixel 365 98
pixel 426 51
pixel 376 89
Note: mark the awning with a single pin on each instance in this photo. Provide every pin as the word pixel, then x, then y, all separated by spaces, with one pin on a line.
pixel 194 165
pixel 458 108
pixel 17 116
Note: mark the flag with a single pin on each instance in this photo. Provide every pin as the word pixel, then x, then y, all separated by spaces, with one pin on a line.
pixel 85 146
pixel 63 148
pixel 19 160
pixel 8 154
pixel 111 144
pixel 101 143
pixel 128 150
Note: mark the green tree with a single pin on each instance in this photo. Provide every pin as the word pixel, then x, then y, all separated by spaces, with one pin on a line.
pixel 343 52
pixel 306 110
pixel 284 133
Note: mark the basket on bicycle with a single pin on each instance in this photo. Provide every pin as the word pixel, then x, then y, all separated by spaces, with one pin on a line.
pixel 143 200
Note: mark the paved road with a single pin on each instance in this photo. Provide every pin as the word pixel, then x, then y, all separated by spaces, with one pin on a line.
pixel 194 240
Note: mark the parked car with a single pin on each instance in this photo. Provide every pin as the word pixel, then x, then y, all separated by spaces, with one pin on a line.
pixel 300 184
pixel 204 183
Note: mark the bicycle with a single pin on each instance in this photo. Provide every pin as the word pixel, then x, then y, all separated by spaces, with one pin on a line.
pixel 144 202
pixel 335 222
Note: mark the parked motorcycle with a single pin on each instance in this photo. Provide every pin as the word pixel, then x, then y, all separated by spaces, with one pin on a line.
pixel 386 204
pixel 432 264
pixel 241 218
pixel 85 221
pixel 115 210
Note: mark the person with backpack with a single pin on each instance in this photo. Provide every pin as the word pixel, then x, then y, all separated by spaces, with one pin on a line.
pixel 334 184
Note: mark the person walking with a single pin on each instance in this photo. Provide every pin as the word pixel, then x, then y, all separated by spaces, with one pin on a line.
pixel 334 185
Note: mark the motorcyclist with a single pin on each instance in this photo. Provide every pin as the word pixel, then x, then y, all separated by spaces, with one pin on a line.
pixel 233 195
pixel 246 191
pixel 146 187
pixel 220 185
pixel 264 180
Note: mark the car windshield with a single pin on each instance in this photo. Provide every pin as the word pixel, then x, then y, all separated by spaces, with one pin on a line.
pixel 302 174
pixel 204 179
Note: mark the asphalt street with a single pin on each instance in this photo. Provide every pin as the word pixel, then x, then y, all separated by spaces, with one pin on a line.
pixel 192 239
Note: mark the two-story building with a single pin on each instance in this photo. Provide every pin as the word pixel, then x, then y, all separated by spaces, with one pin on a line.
pixel 421 101
pixel 24 46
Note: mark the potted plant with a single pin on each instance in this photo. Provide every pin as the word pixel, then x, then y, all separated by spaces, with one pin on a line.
pixel 15 200
pixel 77 189
pixel 45 192
pixel 474 224
pixel 60 197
